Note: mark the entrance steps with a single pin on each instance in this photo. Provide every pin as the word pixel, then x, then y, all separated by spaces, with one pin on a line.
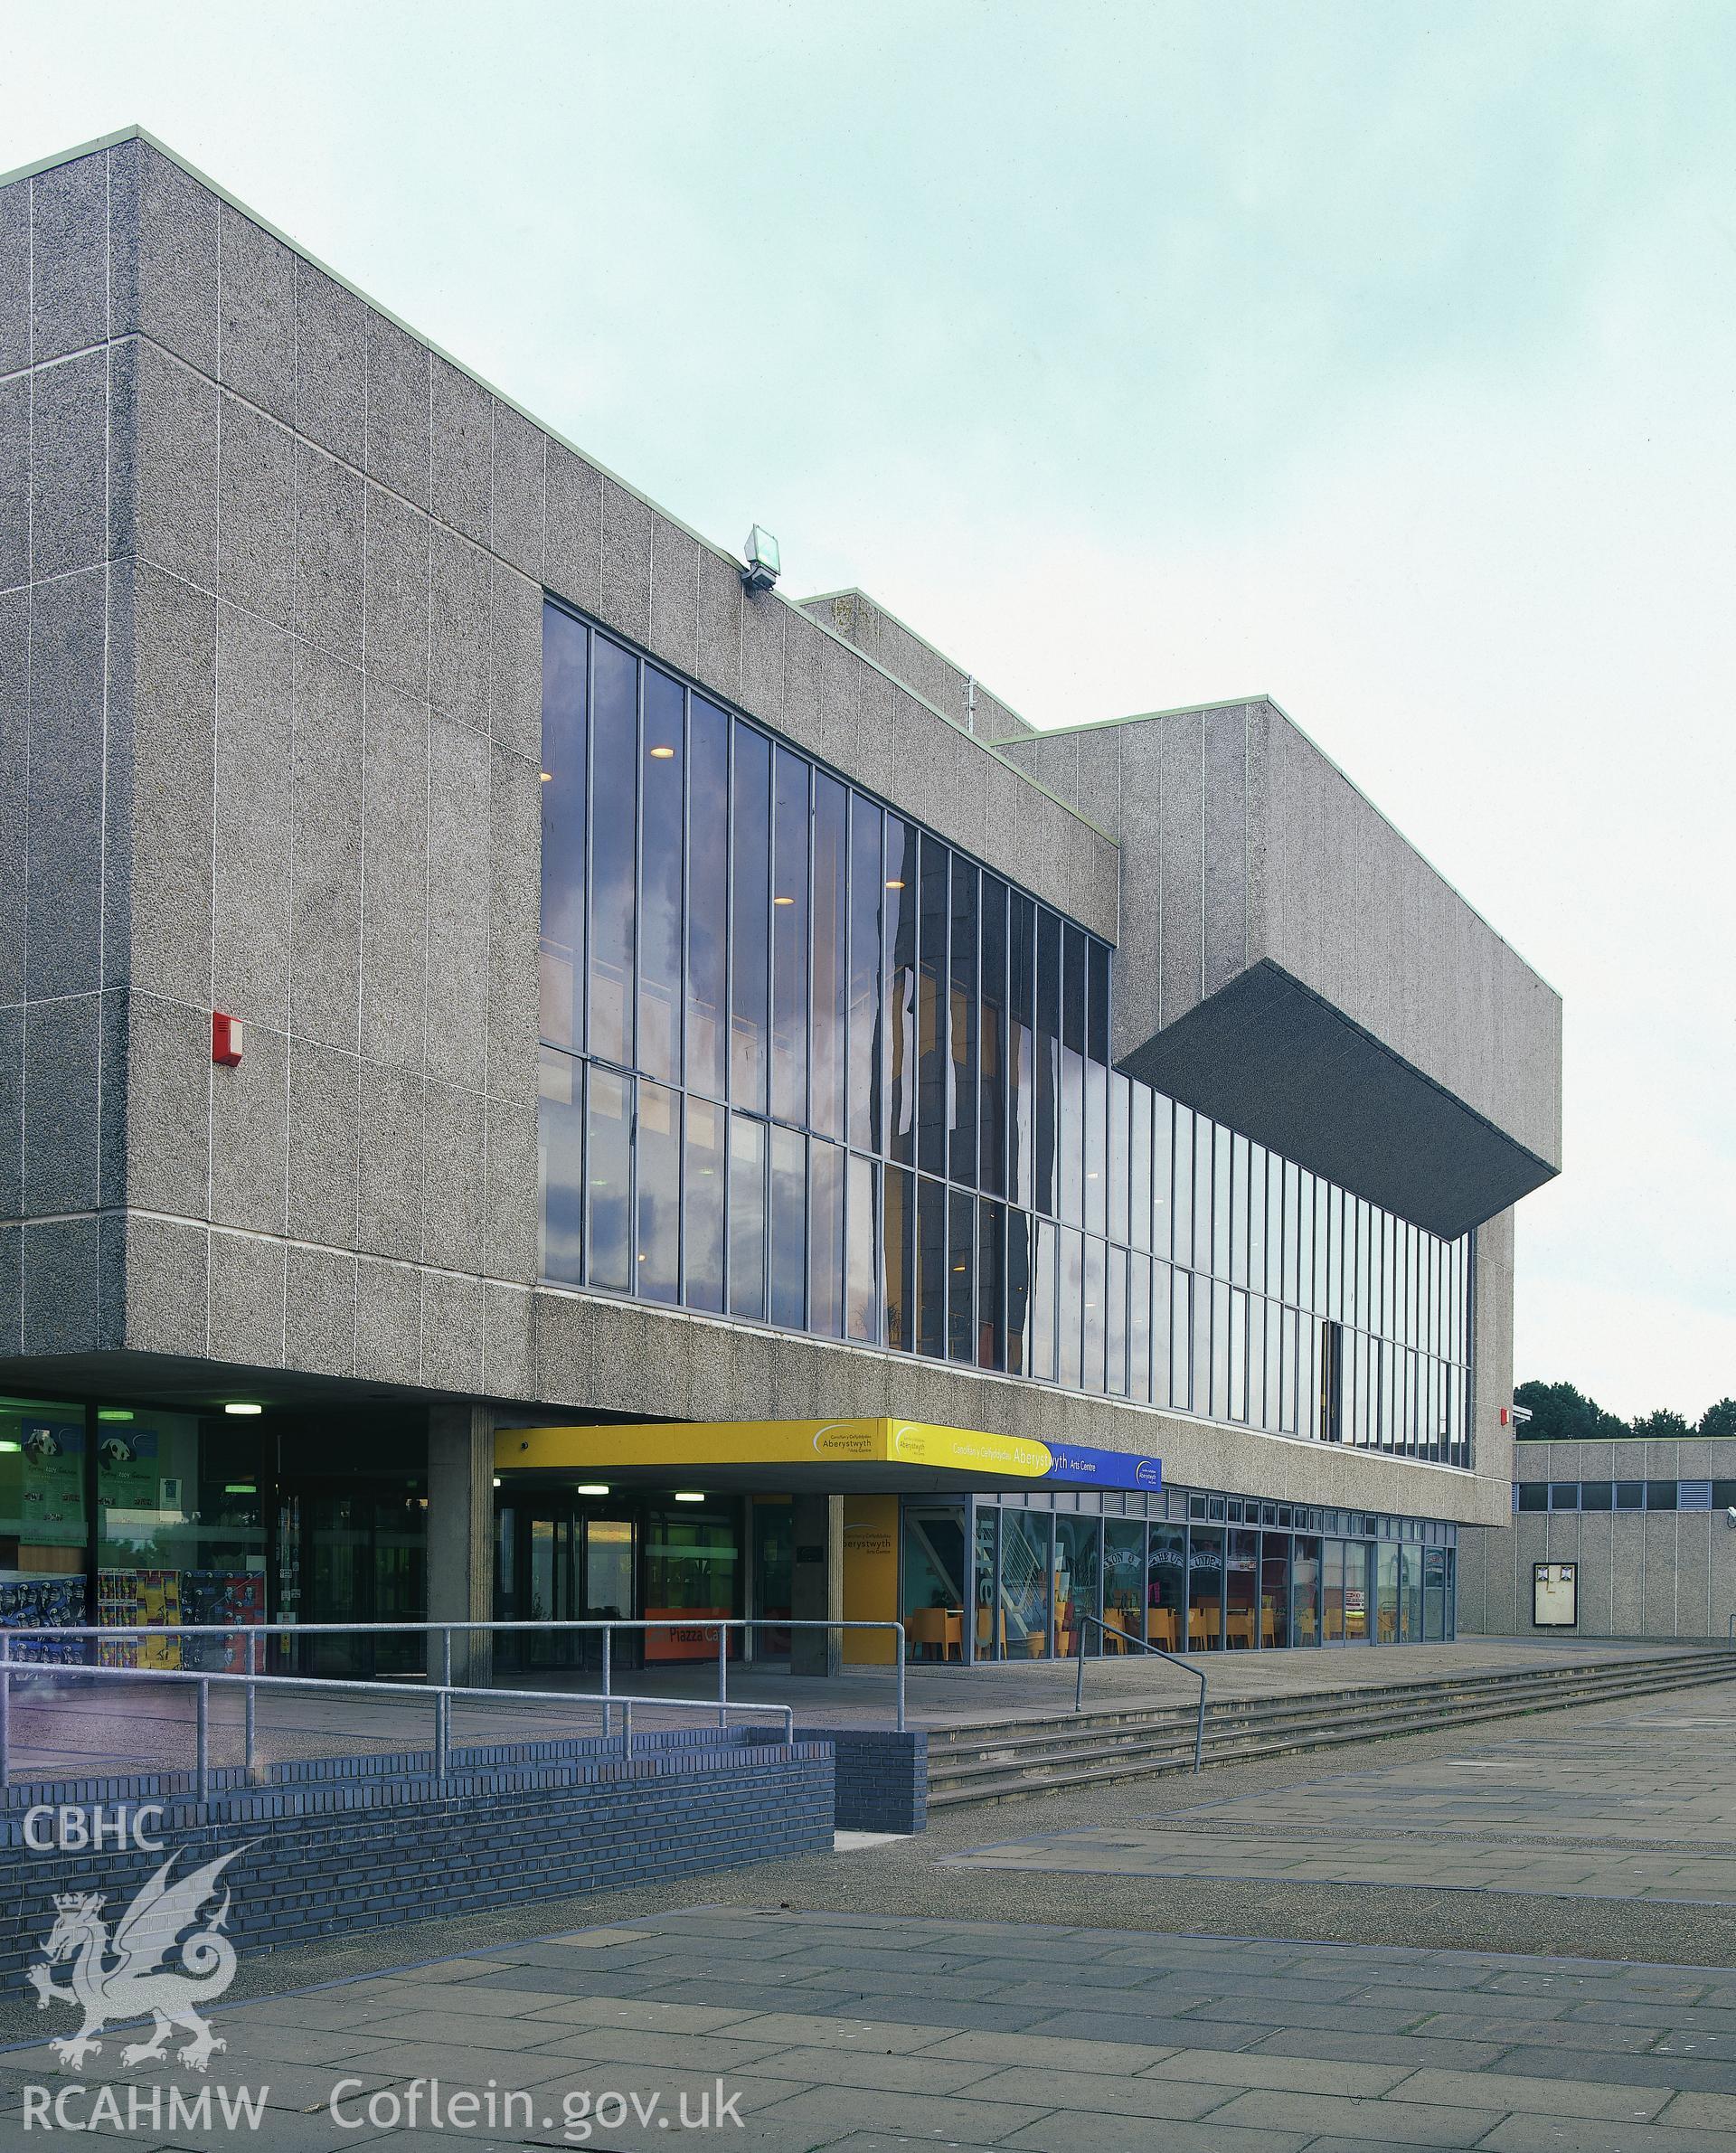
pixel 1013 1760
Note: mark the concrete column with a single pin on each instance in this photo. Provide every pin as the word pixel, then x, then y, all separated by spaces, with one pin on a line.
pixel 816 1584
pixel 461 1532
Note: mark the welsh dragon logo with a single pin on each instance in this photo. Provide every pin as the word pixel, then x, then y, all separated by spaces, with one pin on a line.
pixel 126 1975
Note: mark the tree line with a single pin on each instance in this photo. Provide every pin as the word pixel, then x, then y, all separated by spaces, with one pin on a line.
pixel 1561 1414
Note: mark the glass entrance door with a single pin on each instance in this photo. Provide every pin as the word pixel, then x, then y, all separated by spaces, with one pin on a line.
pixel 362 1558
pixel 774 1552
pixel 557 1563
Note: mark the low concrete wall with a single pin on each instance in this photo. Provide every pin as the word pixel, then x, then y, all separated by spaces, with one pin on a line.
pixel 333 1845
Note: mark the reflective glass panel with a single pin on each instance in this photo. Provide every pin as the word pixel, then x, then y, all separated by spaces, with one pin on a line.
pixel 663 766
pixel 613 824
pixel 566 662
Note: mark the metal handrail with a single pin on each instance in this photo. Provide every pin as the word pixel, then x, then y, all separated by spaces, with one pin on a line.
pixel 1109 1630
pixel 442 1693
pixel 252 1631
pixel 607 1625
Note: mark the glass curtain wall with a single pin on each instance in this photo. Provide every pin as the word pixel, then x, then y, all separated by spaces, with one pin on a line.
pixel 1203 1587
pixel 804 1062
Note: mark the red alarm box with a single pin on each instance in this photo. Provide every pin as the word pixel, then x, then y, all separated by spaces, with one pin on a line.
pixel 225 1039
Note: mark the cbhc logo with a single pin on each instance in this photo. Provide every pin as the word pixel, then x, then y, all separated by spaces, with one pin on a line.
pixel 71 1830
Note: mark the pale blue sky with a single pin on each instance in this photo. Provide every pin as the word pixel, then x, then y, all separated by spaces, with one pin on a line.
pixel 1379 356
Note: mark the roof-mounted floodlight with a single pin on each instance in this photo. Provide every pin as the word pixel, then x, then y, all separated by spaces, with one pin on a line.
pixel 763 565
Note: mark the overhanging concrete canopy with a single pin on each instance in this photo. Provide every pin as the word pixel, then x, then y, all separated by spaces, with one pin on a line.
pixel 1289 964
pixel 1274 1060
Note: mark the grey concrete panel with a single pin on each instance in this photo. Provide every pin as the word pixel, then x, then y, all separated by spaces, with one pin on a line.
pixel 247 1276
pixel 711 1371
pixel 163 485
pixel 388 1322
pixel 330 519
pixel 258 306
pixel 69 211
pixel 803 644
pixel 878 703
pixel 325 1106
pixel 14 275
pixel 1224 755
pixel 325 807
pixel 319 1311
pixel 394 879
pixel 167 1285
pixel 1098 788
pixel 12 1111
pixel 452 1328
pixel 751 1352
pixel 58 1288
pixel 515 900
pixel 173 723
pixel 120 607
pixel 674 632
pixel 169 1106
pixel 634 1362
pixel 515 662
pixel 1273 1060
pixel 62 1075
pixel 722 602
pixel 12 1255
pixel 390 1178
pixel 458 904
pixel 1181 809
pixel 512 1196
pixel 453 1150
pixel 255 760
pixel 836 717
pixel 61 952
pixel 257 513
pixel 1596 1550
pixel 1658 1542
pixel 68 475
pixel 396 592
pixel 113 1117
pixel 463 451
pixel 517 500
pixel 508 1341
pixel 1694 1558
pixel 249 1139
pixel 762 656
pixel 624 579
pixel 572 531
pixel 400 389
pixel 460 628
pixel 331 364
pixel 162 255
pixel 14 482
pixel 796 1382
pixel 943 770
pixel 566 1357
pixel 1627 1609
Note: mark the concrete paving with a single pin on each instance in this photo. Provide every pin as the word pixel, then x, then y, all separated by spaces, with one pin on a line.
pixel 1326 1957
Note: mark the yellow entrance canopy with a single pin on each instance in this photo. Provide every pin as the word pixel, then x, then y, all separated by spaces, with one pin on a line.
pixel 864 1453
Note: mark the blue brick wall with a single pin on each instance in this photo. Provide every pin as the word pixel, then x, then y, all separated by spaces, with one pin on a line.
pixel 883 1776
pixel 337 1845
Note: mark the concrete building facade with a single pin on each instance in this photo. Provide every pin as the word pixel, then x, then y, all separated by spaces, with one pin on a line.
pixel 279 743
pixel 1645 1529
